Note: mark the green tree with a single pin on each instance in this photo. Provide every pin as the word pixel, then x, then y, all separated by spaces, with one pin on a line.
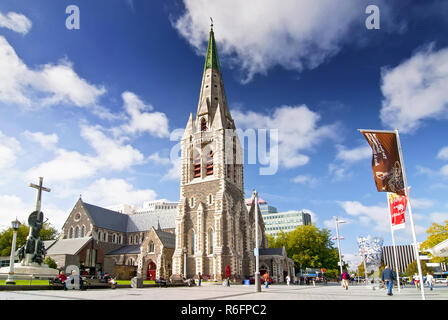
pixel 308 246
pixel 436 234
pixel 48 232
pixel 50 262
pixel 413 269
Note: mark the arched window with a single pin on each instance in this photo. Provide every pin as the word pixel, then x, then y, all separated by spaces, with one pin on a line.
pixel 99 235
pixel 151 246
pixel 83 231
pixel 210 163
pixel 113 238
pixel 197 166
pixel 210 241
pixel 130 262
pixel 119 239
pixel 192 242
pixel 136 239
pixel 203 124
pixel 71 233
pixel 105 236
pixel 77 232
pixel 131 240
pixel 210 199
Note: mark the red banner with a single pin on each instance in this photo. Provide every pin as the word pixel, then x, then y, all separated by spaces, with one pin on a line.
pixel 397 207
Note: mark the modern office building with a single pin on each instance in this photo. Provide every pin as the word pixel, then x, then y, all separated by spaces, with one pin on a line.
pixel 265 208
pixel 285 221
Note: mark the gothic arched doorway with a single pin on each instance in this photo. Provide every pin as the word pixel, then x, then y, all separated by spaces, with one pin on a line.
pixel 151 273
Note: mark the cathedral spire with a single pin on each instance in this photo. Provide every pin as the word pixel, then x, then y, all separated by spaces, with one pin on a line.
pixel 212 60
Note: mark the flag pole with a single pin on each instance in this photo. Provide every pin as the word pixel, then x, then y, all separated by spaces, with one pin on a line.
pixel 393 244
pixel 417 255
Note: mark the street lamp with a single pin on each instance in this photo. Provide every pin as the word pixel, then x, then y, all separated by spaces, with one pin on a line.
pixel 257 251
pixel 15 226
pixel 338 238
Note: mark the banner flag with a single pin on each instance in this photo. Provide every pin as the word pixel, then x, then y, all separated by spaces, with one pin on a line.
pixel 386 163
pixel 397 206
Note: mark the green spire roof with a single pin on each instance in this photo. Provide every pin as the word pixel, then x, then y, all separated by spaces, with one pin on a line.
pixel 212 60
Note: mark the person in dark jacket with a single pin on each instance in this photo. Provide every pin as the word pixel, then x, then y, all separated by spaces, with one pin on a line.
pixel 388 277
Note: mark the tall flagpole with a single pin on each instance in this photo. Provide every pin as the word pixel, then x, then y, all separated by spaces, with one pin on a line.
pixel 417 255
pixel 393 244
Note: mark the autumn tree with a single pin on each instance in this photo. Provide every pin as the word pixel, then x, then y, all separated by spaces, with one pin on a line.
pixel 308 246
pixel 48 232
pixel 413 269
pixel 436 234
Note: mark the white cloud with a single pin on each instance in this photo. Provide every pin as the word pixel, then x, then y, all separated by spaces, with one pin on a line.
pixel 415 90
pixel 106 192
pixel 352 155
pixel 443 153
pixel 174 172
pixel 49 84
pixel 373 216
pixel 9 148
pixel 16 22
pixel 306 180
pixel 47 141
pixel 257 35
pixel 71 165
pixel 155 123
pixel 421 203
pixel 439 217
pixel 13 206
pixel 293 139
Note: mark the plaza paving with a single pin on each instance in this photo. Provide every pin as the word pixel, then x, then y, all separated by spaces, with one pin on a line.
pixel 234 292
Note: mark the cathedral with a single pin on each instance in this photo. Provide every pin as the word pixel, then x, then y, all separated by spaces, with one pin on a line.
pixel 215 232
pixel 211 230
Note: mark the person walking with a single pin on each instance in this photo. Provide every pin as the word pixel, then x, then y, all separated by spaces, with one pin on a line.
pixel 430 280
pixel 417 281
pixel 388 276
pixel 199 279
pixel 288 280
pixel 345 277
pixel 266 279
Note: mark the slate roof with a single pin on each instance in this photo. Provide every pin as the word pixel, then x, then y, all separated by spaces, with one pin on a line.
pixel 106 219
pixel 113 220
pixel 49 243
pixel 271 251
pixel 68 246
pixel 125 250
pixel 144 221
pixel 168 239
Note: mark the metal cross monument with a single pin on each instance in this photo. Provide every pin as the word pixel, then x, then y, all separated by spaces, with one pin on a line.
pixel 39 192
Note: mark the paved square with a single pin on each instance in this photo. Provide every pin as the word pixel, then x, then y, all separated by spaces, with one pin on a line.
pixel 234 292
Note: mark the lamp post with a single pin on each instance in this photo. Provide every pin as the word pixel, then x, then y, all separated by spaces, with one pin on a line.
pixel 339 243
pixel 257 251
pixel 15 226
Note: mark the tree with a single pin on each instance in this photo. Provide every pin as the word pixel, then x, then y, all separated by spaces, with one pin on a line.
pixel 308 246
pixel 48 232
pixel 436 234
pixel 413 269
pixel 50 262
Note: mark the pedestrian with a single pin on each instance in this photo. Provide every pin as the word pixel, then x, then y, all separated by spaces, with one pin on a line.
pixel 266 279
pixel 430 280
pixel 388 276
pixel 417 281
pixel 288 280
pixel 199 279
pixel 345 277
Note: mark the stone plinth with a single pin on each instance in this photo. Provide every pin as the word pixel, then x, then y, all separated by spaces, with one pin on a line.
pixel 24 272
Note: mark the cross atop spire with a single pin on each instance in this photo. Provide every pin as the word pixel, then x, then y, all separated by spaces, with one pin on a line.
pixel 39 188
pixel 212 60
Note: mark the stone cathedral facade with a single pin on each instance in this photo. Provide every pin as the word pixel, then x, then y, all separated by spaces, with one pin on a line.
pixel 215 231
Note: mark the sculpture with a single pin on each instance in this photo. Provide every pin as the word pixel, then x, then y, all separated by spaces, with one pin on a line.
pixel 34 250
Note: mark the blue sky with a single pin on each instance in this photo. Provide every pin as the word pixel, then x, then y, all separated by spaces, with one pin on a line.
pixel 92 109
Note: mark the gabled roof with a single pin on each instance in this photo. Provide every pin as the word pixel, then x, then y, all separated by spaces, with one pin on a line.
pixel 68 246
pixel 105 218
pixel 145 221
pixel 168 239
pixel 271 251
pixel 131 249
